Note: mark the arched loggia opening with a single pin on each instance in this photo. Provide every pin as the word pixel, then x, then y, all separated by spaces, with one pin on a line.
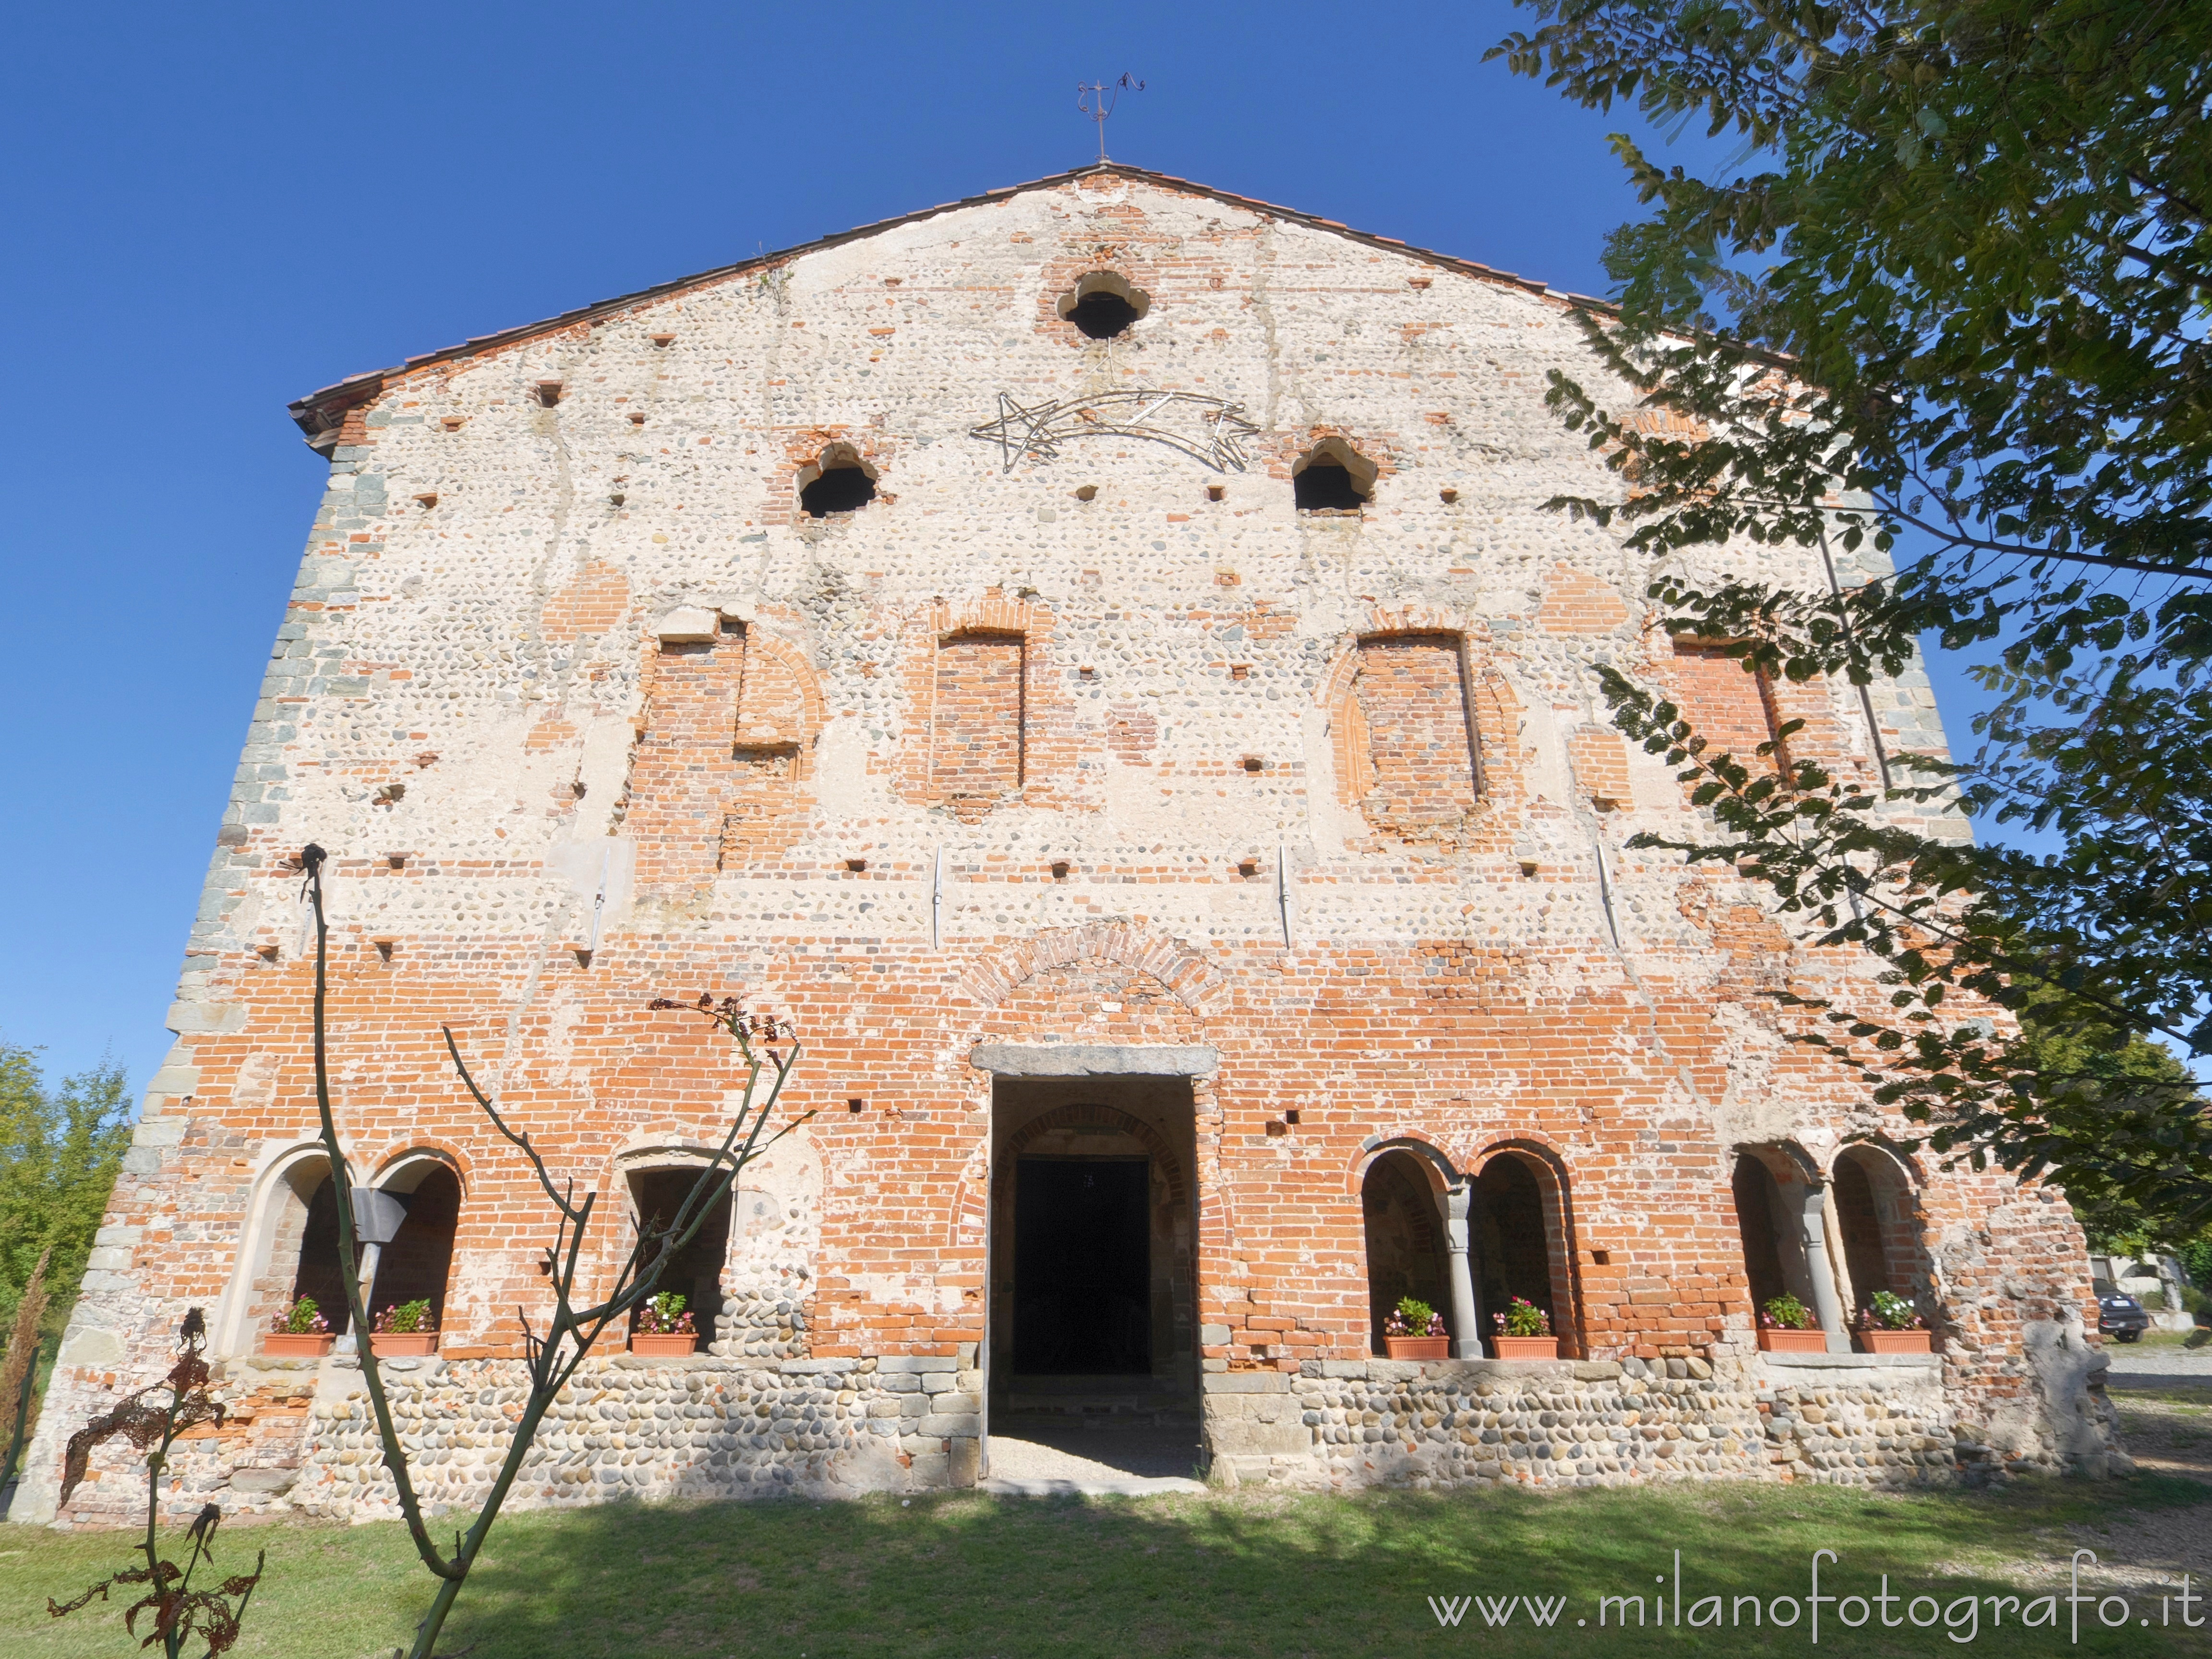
pixel 1780 1220
pixel 306 1228
pixel 694 1271
pixel 415 1263
pixel 1878 1218
pixel 1523 1241
pixel 1406 1243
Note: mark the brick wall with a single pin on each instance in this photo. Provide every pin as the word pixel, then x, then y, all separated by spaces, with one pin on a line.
pixel 1062 745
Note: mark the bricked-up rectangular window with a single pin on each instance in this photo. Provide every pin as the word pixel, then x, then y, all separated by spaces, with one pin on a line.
pixel 1733 711
pixel 1411 696
pixel 975 738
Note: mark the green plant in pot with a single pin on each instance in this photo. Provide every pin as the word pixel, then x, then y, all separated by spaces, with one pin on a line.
pixel 406 1327
pixel 1786 1325
pixel 1523 1331
pixel 665 1326
pixel 1414 1330
pixel 1890 1324
pixel 298 1330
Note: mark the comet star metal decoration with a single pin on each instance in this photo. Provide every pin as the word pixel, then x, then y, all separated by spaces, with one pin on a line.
pixel 1212 430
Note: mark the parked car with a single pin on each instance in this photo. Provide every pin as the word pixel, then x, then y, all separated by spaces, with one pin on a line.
pixel 2121 1317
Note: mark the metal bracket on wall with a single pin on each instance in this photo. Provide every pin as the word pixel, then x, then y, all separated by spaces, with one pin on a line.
pixel 937 901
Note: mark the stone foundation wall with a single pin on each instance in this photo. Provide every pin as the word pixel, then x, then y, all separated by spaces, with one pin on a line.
pixel 300 1436
pixel 1851 1420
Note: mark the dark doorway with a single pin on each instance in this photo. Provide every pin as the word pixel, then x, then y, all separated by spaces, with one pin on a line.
pixel 694 1271
pixel 1082 1267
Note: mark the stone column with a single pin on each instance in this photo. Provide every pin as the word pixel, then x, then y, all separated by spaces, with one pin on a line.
pixel 1811 1199
pixel 1457 1202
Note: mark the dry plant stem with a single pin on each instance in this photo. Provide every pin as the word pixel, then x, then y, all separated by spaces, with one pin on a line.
pixel 20 1371
pixel 554 1354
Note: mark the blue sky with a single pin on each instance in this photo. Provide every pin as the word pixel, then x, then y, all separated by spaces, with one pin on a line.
pixel 210 211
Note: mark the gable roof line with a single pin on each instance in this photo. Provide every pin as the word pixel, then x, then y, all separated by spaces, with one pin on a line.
pixel 319 414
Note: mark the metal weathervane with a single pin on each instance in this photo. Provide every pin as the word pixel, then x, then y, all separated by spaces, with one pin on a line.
pixel 1097 100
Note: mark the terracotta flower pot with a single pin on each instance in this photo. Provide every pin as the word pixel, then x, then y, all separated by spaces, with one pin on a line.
pixel 394 1345
pixel 1525 1347
pixel 664 1345
pixel 1419 1347
pixel 1780 1341
pixel 296 1345
pixel 1895 1342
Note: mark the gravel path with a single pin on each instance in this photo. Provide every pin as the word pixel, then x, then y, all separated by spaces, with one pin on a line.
pixel 2141 1365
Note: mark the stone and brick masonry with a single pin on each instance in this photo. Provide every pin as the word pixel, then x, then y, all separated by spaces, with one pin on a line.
pixel 1077 794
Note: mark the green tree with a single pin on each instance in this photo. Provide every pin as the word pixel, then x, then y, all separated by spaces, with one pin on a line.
pixel 59 1153
pixel 1949 329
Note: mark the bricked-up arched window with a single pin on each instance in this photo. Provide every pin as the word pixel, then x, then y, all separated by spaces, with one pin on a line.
pixel 1733 711
pixel 416 1265
pixel 979 707
pixel 1878 1222
pixel 1405 1240
pixel 1520 1240
pixel 1332 477
pixel 1408 738
pixel 696 1271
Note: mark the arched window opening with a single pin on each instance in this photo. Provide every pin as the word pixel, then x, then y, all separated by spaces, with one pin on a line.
pixel 1878 1218
pixel 317 1273
pixel 694 1271
pixel 1756 1210
pixel 414 1266
pixel 840 482
pixel 1332 477
pixel 1406 1241
pixel 1774 1193
pixel 1103 305
pixel 1520 1240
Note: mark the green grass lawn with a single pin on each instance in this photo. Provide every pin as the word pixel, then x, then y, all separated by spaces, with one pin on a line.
pixel 972 1576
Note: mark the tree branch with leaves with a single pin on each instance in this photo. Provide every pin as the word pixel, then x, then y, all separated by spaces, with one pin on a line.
pixel 1948 330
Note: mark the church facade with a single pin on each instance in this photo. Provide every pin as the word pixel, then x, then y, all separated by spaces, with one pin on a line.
pixel 1093 657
